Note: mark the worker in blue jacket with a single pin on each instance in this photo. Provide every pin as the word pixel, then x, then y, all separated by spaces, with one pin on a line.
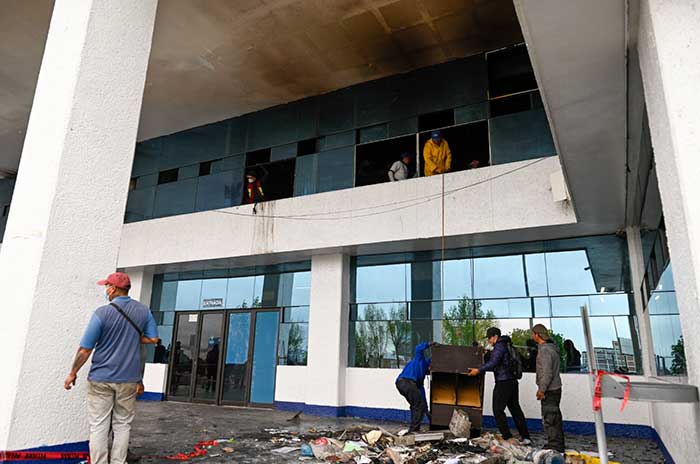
pixel 410 385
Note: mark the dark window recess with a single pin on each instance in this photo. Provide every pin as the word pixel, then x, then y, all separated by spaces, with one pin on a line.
pixel 205 168
pixel 258 157
pixel 510 71
pixel 6 210
pixel 165 177
pixel 468 142
pixel 277 179
pixel 308 147
pixel 436 120
pixel 511 104
pixel 132 184
pixel 373 160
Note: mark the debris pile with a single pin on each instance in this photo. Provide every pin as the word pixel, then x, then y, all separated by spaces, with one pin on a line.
pixel 379 446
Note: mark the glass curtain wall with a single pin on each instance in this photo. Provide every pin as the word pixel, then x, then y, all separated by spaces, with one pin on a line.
pixel 659 291
pixel 402 299
pixel 487 106
pixel 286 287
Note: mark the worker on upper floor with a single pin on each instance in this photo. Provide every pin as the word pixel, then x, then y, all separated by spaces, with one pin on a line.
pixel 437 157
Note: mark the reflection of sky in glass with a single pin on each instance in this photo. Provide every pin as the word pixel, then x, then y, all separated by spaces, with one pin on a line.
pixel 188 292
pixel 168 296
pixel 666 331
pixel 666 280
pixel 213 289
pixel 536 274
pixel 568 273
pixel 381 283
pixel 498 277
pixel 238 337
pixel 240 292
pixel 458 279
pixel 301 288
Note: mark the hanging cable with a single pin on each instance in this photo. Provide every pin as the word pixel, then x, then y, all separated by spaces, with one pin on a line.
pixel 403 204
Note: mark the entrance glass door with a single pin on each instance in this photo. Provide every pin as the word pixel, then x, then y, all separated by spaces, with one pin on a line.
pixel 237 359
pixel 207 362
pixel 183 356
pixel 225 357
pixel 262 386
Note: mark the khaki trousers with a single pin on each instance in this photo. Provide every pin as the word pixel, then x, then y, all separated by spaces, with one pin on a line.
pixel 110 404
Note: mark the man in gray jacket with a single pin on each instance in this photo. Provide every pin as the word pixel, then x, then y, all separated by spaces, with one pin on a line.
pixel 549 387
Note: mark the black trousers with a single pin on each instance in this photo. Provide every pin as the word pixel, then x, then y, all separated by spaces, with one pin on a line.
pixel 409 390
pixel 505 394
pixel 552 419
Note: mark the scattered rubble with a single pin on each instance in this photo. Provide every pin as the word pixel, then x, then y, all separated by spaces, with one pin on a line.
pixel 365 445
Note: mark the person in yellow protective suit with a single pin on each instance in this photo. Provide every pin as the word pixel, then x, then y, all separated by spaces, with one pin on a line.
pixel 436 155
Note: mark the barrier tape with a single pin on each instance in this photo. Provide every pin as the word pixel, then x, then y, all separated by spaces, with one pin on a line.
pixel 598 396
pixel 42 455
pixel 199 450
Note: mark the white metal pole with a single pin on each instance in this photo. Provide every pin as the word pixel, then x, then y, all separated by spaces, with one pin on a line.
pixel 597 415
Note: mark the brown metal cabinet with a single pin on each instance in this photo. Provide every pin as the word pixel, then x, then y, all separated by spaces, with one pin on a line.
pixel 451 388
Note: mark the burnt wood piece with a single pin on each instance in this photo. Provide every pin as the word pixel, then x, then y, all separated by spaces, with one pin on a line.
pixel 451 388
pixel 457 359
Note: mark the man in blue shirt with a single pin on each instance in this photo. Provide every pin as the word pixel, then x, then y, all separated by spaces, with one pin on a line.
pixel 410 385
pixel 115 333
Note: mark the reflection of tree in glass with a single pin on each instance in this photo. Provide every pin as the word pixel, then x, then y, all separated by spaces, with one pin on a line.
pixel 256 303
pixel 678 357
pixel 296 351
pixel 371 338
pixel 399 331
pixel 459 326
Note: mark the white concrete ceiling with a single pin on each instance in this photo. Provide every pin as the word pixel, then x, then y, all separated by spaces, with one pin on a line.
pixel 221 58
pixel 577 49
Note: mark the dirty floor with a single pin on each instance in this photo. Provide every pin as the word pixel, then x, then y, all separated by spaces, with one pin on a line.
pixel 166 428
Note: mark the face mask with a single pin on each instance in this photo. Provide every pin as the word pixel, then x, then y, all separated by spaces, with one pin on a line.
pixel 106 295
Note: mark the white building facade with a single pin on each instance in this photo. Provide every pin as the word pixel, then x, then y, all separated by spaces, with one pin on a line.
pixel 571 127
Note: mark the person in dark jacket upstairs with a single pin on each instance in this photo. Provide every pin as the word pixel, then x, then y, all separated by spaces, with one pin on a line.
pixel 505 391
pixel 410 385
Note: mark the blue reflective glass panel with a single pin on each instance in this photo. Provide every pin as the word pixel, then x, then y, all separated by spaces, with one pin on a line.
pixel 520 136
pixel 213 294
pixel 499 276
pixel 569 273
pixel 381 283
pixel 188 292
pixel 262 387
pixel 293 344
pixel 175 198
pixel 457 279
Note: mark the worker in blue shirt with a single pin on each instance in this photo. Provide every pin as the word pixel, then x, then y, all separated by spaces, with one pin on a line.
pixel 410 385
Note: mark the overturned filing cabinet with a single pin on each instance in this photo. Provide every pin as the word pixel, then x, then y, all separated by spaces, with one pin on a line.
pixel 450 386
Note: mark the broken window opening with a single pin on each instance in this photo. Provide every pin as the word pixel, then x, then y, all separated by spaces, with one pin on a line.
pixel 166 177
pixel 254 158
pixel 469 145
pixel 373 160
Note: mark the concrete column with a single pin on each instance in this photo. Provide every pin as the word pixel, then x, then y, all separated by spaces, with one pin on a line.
pixel 329 317
pixel 64 228
pixel 669 46
pixel 636 256
pixel 141 285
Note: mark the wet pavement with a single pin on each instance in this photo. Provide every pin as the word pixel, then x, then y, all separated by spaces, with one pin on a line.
pixel 164 429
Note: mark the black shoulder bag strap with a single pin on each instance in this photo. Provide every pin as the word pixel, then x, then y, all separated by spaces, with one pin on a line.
pixel 133 324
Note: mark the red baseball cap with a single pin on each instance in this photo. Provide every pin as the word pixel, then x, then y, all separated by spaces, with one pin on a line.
pixel 118 279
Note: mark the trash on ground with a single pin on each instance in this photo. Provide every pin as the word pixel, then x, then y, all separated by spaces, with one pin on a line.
pixel 460 425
